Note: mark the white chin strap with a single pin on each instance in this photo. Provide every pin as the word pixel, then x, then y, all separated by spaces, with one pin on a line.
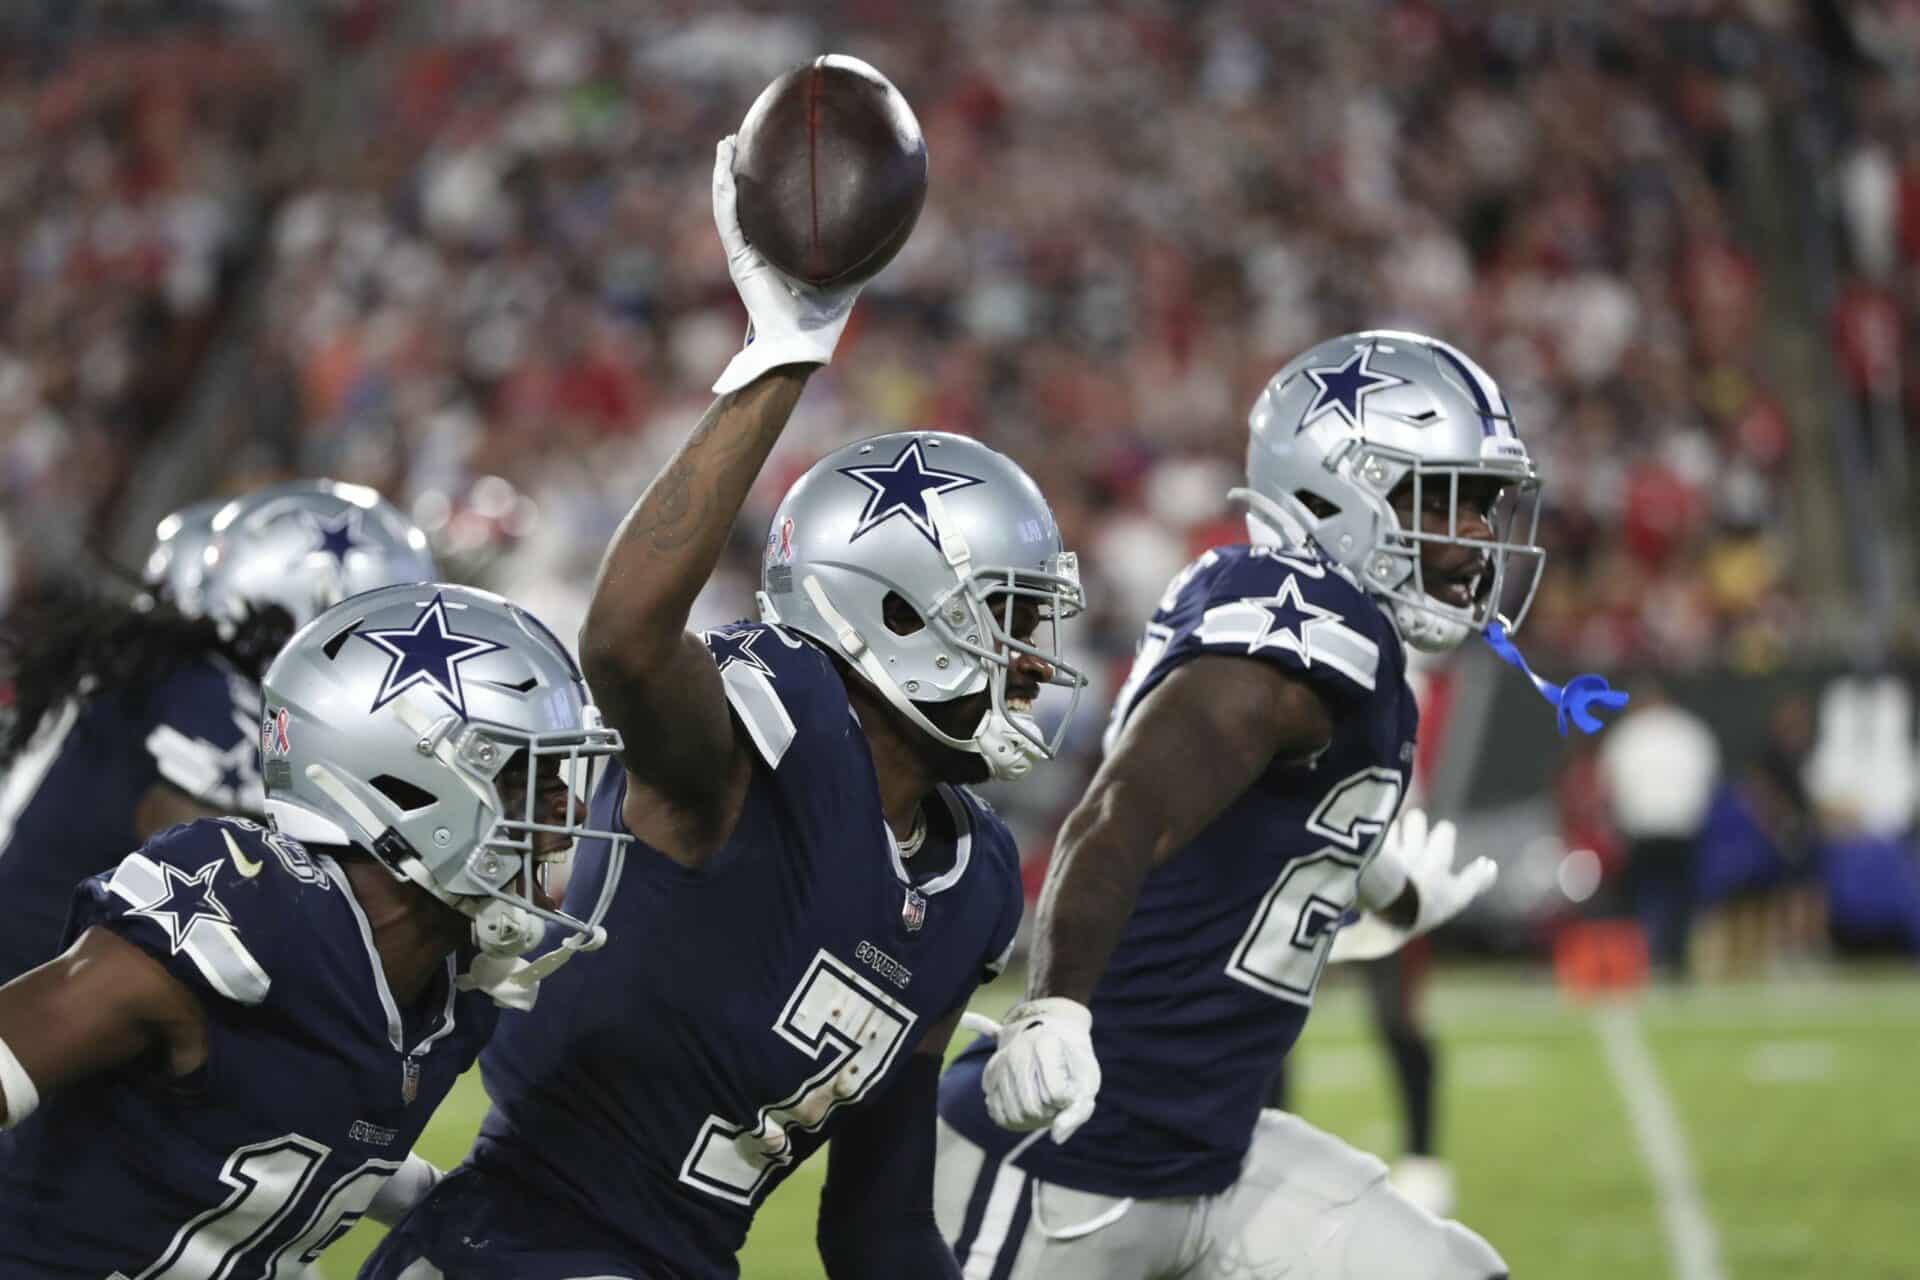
pixel 1009 753
pixel 501 930
pixel 1428 631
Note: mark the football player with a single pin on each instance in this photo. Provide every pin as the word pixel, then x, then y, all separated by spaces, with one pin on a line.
pixel 250 1025
pixel 813 895
pixel 135 716
pixel 1196 893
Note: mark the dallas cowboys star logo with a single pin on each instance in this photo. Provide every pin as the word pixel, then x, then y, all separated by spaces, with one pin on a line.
pixel 337 536
pixel 1290 621
pixel 184 901
pixel 730 647
pixel 1344 388
pixel 427 653
pixel 900 488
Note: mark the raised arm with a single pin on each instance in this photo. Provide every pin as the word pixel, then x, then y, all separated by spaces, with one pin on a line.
pixel 656 683
pixel 100 1004
pixel 1193 745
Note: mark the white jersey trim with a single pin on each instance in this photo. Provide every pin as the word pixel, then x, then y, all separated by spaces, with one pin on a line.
pixel 753 699
pixel 213 945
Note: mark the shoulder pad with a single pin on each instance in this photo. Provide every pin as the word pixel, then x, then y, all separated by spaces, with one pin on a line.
pixel 771 677
pixel 1296 609
pixel 206 899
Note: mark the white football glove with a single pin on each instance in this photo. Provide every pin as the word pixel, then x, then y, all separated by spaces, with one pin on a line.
pixel 788 322
pixel 1043 1075
pixel 1411 854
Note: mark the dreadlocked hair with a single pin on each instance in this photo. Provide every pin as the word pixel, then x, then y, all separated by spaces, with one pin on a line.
pixel 73 641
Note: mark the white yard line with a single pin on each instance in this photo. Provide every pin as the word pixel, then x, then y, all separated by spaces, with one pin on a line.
pixel 1692 1243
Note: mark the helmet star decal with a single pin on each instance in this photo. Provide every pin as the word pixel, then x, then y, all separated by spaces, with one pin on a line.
pixel 1344 388
pixel 338 535
pixel 900 488
pixel 427 653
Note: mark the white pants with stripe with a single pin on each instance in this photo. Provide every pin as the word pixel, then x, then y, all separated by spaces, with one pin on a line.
pixel 1307 1207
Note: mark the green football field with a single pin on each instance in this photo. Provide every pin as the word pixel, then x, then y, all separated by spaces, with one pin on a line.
pixel 1730 1133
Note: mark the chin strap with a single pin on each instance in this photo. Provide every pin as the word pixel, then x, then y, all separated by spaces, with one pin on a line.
pixel 1571 700
pixel 1426 630
pixel 514 983
pixel 501 930
pixel 1008 752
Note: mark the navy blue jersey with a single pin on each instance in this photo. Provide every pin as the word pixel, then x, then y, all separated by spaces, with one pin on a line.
pixel 788 979
pixel 1214 976
pixel 314 1088
pixel 67 803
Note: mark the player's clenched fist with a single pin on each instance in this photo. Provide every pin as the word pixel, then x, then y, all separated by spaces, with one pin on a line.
pixel 1044 1074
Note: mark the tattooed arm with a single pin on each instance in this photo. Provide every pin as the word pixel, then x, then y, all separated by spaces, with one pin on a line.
pixel 1153 794
pixel 687 772
pixel 655 682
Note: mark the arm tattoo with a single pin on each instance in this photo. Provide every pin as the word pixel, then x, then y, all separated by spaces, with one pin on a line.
pixel 683 493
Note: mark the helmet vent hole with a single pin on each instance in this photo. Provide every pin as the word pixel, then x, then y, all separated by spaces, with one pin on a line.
pixel 332 647
pixel 901 618
pixel 407 797
pixel 1319 506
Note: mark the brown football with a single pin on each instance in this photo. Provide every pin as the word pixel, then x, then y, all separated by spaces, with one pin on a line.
pixel 830 170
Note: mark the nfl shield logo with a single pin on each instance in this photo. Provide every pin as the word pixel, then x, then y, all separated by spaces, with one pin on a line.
pixel 913 912
pixel 409 1080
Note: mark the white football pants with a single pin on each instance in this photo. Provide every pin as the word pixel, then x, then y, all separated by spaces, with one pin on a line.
pixel 1307 1207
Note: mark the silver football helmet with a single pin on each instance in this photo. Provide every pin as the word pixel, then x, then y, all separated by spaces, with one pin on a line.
pixel 387 722
pixel 176 567
pixel 1341 427
pixel 306 545
pixel 947 525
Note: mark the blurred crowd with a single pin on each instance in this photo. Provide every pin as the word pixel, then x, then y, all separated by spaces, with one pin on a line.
pixel 135 147
pixel 498 296
pixel 1875 321
pixel 511 306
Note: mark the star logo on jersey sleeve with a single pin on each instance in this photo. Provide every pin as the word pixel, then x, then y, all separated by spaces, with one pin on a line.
pixel 900 488
pixel 1344 388
pixel 337 536
pixel 185 900
pixel 731 647
pixel 1290 621
pixel 428 653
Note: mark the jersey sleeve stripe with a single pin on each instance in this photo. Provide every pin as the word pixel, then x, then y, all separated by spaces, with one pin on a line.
pixel 1327 641
pixel 138 880
pixel 1346 651
pixel 760 710
pixel 215 948
pixel 226 964
pixel 188 763
pixel 1237 623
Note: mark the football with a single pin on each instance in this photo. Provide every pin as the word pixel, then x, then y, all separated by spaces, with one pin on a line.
pixel 830 170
